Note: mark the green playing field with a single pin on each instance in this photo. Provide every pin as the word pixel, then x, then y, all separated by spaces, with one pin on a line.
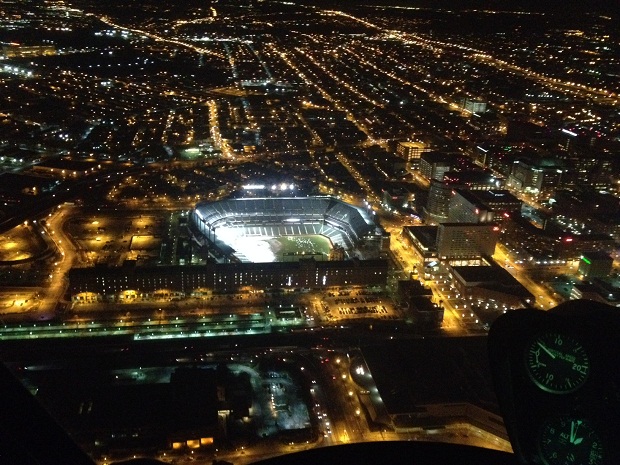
pixel 260 249
pixel 290 248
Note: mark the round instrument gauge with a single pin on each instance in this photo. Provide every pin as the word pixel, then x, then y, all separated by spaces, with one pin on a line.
pixel 557 363
pixel 568 440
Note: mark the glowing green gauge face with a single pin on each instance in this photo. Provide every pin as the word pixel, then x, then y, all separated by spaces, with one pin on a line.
pixel 557 363
pixel 570 441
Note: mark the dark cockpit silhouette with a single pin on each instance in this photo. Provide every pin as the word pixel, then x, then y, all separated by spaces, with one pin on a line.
pixel 557 380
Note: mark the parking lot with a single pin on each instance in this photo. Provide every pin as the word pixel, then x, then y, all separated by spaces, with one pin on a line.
pixel 112 239
pixel 357 304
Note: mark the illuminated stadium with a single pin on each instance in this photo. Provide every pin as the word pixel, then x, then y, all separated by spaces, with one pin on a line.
pixel 281 228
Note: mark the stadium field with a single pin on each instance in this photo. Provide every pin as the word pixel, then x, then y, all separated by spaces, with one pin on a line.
pixel 282 248
pixel 290 248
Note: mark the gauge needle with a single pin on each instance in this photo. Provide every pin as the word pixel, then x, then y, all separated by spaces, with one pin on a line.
pixel 543 347
pixel 573 433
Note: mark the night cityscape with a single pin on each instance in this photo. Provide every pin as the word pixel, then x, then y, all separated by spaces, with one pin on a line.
pixel 234 230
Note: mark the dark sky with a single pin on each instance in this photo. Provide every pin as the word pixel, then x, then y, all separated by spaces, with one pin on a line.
pixel 558 7
pixel 561 7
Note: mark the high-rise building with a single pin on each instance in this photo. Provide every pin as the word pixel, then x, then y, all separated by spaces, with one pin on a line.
pixel 438 204
pixel 433 165
pixel 441 192
pixel 541 176
pixel 411 152
pixel 481 206
pixel 587 167
pixel 466 241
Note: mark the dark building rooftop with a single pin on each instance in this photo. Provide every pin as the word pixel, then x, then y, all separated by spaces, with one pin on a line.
pixel 484 274
pixel 470 177
pixel 427 235
pixel 490 197
pixel 418 371
pixel 493 278
pixel 436 157
pixel 597 255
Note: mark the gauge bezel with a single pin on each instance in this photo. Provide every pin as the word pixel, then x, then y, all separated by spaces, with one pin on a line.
pixel 548 340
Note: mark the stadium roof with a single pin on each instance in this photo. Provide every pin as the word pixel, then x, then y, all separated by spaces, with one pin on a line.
pixel 302 208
